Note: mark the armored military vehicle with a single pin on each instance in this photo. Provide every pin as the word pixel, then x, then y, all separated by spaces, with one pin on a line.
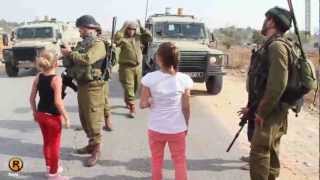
pixel 33 37
pixel 198 59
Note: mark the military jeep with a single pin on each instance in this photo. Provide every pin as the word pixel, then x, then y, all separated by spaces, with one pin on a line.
pixel 201 62
pixel 31 38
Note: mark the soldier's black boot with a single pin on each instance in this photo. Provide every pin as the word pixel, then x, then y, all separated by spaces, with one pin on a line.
pixel 85 150
pixel 95 156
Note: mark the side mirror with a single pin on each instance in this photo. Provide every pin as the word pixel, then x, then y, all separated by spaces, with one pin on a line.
pixel 212 38
pixel 5 40
pixel 59 35
pixel 212 41
pixel 159 33
pixel 13 36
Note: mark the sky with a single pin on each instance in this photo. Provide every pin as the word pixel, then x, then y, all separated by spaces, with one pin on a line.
pixel 216 13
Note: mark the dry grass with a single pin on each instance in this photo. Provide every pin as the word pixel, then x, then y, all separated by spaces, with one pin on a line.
pixel 239 59
pixel 314 57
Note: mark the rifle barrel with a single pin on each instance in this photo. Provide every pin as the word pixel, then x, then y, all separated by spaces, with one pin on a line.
pixel 234 139
pixel 296 29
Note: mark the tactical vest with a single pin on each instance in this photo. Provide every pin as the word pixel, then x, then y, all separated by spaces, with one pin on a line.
pixel 85 73
pixel 258 73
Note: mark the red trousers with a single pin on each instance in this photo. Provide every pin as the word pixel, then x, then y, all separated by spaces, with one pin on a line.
pixel 177 146
pixel 51 131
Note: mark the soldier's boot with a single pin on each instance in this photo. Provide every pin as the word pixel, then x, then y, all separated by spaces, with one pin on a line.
pixel 108 123
pixel 272 177
pixel 132 110
pixel 85 150
pixel 95 156
pixel 126 101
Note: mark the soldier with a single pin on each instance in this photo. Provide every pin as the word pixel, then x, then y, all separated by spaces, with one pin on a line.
pixel 85 63
pixel 268 79
pixel 107 114
pixel 130 42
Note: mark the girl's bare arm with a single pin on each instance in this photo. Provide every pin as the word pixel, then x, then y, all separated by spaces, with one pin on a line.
pixel 145 97
pixel 33 96
pixel 57 88
pixel 186 105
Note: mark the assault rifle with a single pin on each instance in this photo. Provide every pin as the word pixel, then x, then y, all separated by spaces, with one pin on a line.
pixel 110 59
pixel 67 82
pixel 66 78
pixel 243 121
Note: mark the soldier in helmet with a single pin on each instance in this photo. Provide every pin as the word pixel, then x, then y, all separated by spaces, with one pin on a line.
pixel 268 78
pixel 85 63
pixel 130 39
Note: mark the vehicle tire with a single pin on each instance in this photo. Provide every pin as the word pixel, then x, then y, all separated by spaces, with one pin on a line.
pixel 34 71
pixel 11 70
pixel 214 84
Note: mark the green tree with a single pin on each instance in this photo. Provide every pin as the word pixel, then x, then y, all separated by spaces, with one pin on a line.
pixel 257 38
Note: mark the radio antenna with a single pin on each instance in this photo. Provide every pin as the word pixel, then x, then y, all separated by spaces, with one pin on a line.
pixel 147 9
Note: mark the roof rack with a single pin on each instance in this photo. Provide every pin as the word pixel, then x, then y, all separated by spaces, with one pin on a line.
pixel 172 15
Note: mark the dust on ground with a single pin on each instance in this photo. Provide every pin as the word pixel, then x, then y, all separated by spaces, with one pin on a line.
pixel 299 148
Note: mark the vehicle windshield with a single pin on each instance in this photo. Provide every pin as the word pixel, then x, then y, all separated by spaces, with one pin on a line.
pixel 180 30
pixel 43 32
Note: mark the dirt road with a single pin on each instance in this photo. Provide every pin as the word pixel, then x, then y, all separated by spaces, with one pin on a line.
pixel 125 151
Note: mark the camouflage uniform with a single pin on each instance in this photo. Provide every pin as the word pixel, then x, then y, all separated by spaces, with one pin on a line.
pixel 90 89
pixel 107 103
pixel 130 60
pixel 86 62
pixel 268 79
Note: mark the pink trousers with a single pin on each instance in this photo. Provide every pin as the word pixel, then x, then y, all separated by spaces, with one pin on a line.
pixel 177 146
pixel 51 132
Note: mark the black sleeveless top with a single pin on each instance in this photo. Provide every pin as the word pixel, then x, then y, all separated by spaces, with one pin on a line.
pixel 46 93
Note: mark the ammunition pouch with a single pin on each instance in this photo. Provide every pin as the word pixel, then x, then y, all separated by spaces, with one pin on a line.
pixel 87 73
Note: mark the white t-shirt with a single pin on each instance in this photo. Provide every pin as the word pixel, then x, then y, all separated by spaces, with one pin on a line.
pixel 166 110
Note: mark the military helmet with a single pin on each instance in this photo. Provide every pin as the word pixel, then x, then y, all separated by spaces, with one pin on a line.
pixel 132 25
pixel 282 15
pixel 88 21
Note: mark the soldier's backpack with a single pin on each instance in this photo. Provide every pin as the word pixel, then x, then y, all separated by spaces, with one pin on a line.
pixel 302 77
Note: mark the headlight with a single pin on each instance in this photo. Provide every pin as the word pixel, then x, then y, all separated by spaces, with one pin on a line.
pixel 212 60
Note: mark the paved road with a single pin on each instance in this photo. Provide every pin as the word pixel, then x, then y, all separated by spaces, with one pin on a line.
pixel 125 153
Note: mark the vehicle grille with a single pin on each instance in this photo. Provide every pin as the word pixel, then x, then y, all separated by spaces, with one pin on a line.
pixel 195 61
pixel 24 54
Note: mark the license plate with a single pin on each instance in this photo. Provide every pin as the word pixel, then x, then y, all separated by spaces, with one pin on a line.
pixel 26 64
pixel 195 74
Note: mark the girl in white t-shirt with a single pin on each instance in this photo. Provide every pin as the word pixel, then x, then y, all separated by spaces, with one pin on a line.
pixel 166 92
